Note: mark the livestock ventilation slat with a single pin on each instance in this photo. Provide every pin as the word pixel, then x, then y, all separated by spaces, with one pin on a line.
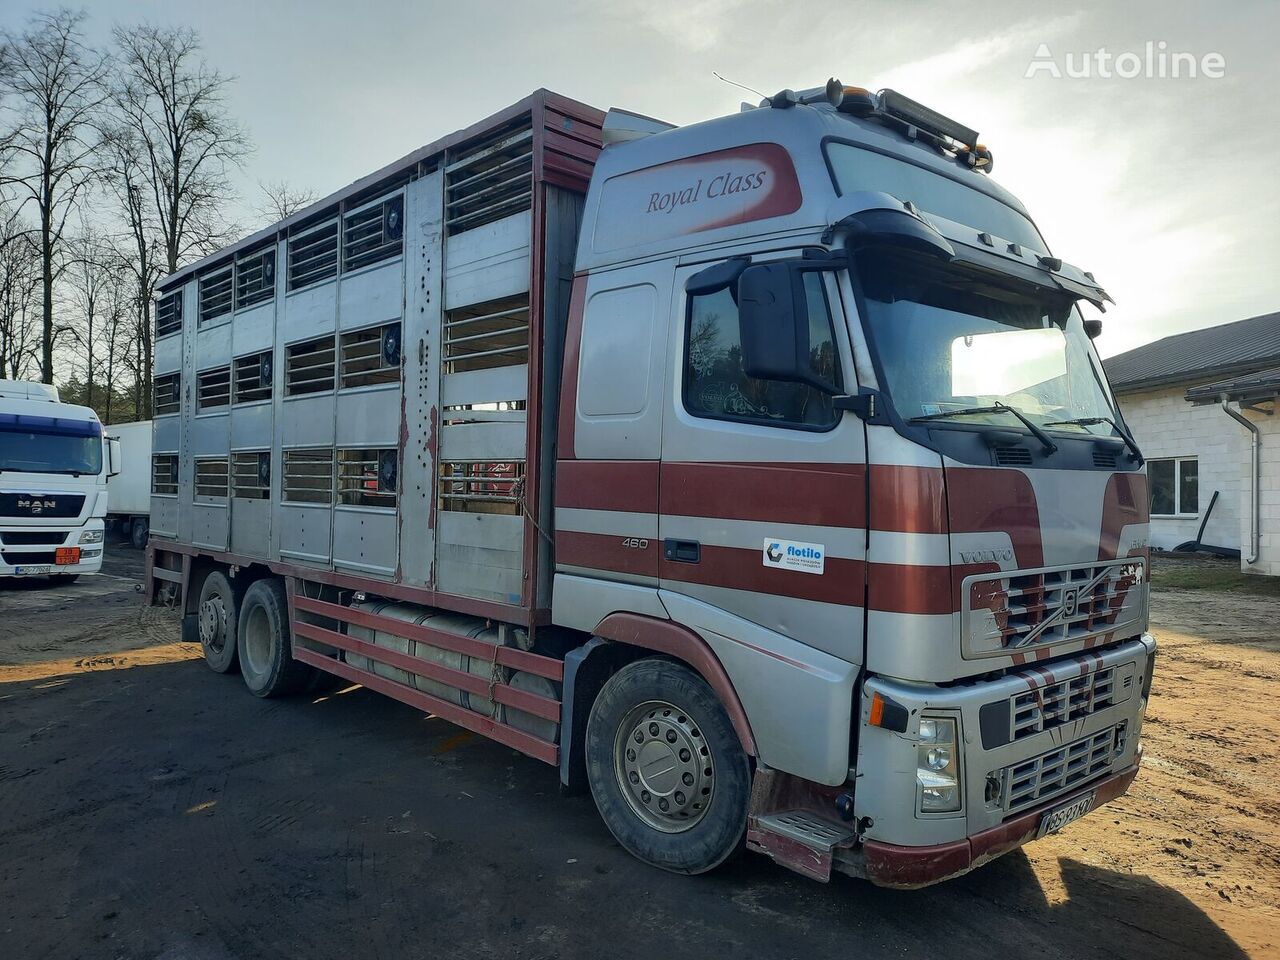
pixel 215 294
pixel 508 736
pixel 313 255
pixel 169 313
pixel 255 277
pixel 512 657
pixel 524 700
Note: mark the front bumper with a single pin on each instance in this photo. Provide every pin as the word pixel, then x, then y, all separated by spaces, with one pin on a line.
pixel 15 556
pixel 1029 741
pixel 893 865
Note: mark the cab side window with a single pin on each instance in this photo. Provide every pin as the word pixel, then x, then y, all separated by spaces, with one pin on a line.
pixel 715 385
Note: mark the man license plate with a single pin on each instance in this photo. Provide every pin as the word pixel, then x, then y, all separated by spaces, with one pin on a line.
pixel 36 571
pixel 1054 820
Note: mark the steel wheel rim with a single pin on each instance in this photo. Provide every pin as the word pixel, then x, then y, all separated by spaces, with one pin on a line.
pixel 257 640
pixel 213 623
pixel 664 766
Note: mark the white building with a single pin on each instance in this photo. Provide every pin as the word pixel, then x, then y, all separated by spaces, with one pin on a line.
pixel 1182 397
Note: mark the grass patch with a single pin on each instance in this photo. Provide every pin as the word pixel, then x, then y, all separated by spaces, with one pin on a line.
pixel 1214 578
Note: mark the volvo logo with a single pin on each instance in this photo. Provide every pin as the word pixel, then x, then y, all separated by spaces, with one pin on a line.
pixel 1070 598
pixel 986 556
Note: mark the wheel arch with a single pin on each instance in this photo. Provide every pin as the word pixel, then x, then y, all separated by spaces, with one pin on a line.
pixel 622 638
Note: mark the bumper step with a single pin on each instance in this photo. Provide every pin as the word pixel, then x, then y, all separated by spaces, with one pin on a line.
pixel 799 840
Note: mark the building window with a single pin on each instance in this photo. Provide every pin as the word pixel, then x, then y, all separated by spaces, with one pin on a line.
pixel 715 385
pixel 1175 487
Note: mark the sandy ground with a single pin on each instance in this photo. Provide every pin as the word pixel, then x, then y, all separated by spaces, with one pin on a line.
pixel 149 809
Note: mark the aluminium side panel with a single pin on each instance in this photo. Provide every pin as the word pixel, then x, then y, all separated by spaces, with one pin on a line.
pixel 419 417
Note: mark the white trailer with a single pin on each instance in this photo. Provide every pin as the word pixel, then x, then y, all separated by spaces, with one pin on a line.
pixel 129 506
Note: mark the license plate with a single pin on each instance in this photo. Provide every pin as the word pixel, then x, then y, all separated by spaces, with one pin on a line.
pixel 32 571
pixel 1054 820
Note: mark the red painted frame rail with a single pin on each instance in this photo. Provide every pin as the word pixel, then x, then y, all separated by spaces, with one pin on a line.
pixel 548 667
pixel 526 743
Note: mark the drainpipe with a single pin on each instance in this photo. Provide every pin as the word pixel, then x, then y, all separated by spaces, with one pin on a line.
pixel 1255 478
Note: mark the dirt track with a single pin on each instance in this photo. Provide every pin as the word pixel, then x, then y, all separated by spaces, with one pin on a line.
pixel 150 809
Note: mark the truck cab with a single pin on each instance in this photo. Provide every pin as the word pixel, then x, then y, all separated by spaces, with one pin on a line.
pixel 831 406
pixel 54 464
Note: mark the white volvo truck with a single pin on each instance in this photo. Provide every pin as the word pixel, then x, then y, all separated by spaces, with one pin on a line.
pixel 129 504
pixel 54 464
pixel 759 475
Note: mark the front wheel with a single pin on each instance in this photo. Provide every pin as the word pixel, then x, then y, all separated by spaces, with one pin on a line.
pixel 666 768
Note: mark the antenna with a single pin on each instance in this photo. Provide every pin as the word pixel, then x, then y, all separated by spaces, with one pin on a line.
pixel 737 84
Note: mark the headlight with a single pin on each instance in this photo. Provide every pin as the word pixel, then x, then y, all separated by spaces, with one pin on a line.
pixel 91 536
pixel 937 766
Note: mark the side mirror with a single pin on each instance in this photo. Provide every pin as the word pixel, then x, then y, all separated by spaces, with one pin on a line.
pixel 1093 328
pixel 113 456
pixel 773 318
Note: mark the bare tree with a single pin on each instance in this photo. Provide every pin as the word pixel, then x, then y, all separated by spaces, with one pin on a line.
pixel 51 88
pixel 19 282
pixel 91 273
pixel 280 201
pixel 140 253
pixel 171 103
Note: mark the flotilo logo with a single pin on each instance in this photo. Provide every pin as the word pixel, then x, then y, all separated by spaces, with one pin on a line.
pixel 804 557
pixel 722 185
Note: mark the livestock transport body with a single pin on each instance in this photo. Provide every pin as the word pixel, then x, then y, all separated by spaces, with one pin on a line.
pixel 759 475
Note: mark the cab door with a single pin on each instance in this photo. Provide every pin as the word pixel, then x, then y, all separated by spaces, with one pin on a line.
pixel 762 484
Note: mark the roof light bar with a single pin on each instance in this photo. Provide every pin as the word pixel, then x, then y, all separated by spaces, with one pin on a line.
pixel 894 104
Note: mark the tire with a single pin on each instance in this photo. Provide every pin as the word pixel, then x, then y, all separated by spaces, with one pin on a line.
pixel 218 620
pixel 139 531
pixel 266 658
pixel 706 799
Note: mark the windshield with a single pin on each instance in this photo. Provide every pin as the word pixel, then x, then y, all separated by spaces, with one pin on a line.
pixel 950 339
pixel 854 168
pixel 50 445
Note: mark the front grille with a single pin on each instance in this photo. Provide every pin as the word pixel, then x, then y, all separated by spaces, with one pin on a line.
pixel 15 557
pixel 1051 774
pixel 1024 610
pixel 32 538
pixel 1058 703
pixel 40 505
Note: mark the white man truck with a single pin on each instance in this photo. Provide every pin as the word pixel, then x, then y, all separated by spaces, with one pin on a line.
pixel 54 464
pixel 758 475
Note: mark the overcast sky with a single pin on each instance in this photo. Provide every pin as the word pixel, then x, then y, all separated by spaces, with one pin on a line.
pixel 1165 189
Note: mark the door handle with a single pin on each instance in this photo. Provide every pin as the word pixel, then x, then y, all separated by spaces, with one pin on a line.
pixel 682 551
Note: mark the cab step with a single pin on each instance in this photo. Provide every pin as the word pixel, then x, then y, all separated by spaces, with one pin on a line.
pixel 800 840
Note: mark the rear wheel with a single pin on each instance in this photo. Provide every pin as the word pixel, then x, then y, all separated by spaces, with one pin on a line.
pixel 666 768
pixel 266 658
pixel 139 531
pixel 217 616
